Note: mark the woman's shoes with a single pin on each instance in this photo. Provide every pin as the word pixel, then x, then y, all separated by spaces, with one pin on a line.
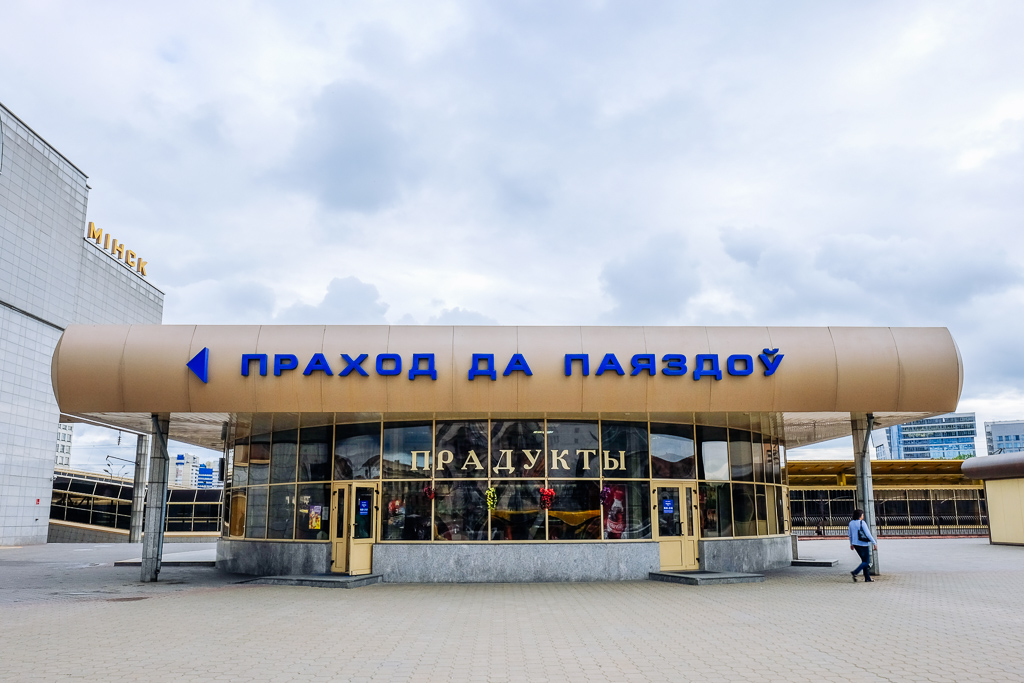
pixel 854 577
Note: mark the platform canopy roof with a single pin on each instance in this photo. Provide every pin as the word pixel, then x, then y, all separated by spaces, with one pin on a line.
pixel 802 383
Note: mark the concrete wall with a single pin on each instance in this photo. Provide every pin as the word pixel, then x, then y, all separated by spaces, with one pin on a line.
pixel 269 558
pixel 1005 510
pixel 746 554
pixel 514 562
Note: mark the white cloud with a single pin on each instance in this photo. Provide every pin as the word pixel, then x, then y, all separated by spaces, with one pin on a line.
pixel 561 163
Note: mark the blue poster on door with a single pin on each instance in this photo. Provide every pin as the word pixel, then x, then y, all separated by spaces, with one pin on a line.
pixel 668 506
pixel 364 508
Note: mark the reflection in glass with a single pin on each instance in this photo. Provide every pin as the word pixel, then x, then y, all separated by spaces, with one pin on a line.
pixel 405 511
pixel 669 519
pixel 256 512
pixel 625 440
pixel 714 453
pixel 780 510
pixel 403 440
pixel 672 454
pixel 576 511
pixel 283 451
pixel 773 522
pixel 577 447
pixel 240 477
pixel 740 459
pixel 241 452
pixel 315 453
pixel 460 511
pixel 743 511
pixel 517 516
pixel 362 516
pixel 237 524
pixel 762 511
pixel 313 512
pixel 281 512
pixel 357 451
pixel 627 510
pixel 517 448
pixel 758 449
pixel 715 510
pixel 461 449
pixel 259 459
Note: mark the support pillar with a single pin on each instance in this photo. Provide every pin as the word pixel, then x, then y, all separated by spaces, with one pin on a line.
pixel 139 489
pixel 156 500
pixel 862 426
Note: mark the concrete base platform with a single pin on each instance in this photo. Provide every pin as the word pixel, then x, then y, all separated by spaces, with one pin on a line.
pixel 318 580
pixel 189 558
pixel 705 578
pixel 814 563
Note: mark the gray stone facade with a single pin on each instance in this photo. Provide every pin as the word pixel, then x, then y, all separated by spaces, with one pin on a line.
pixel 50 276
pixel 514 562
pixel 273 558
pixel 745 554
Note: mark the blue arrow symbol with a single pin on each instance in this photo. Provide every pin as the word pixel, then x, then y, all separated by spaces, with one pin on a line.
pixel 200 364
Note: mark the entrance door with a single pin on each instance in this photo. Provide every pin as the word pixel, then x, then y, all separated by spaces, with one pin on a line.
pixel 675 509
pixel 365 504
pixel 355 507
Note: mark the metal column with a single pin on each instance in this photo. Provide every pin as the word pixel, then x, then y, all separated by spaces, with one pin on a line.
pixel 156 500
pixel 139 490
pixel 862 425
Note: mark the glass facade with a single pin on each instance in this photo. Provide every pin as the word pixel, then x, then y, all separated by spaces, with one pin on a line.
pixel 109 504
pixel 436 476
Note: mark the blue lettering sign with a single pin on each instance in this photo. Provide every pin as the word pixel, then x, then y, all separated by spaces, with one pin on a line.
pixel 668 506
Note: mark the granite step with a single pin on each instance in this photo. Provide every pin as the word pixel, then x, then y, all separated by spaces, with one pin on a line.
pixel 705 578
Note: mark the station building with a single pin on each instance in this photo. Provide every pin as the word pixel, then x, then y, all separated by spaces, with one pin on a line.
pixel 443 454
pixel 51 275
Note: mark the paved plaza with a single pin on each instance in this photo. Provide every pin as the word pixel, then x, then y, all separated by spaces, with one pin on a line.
pixel 944 610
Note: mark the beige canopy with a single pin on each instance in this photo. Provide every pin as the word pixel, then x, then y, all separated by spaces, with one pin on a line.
pixel 807 379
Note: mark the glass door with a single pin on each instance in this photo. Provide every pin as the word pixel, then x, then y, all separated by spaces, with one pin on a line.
pixel 674 512
pixel 363 528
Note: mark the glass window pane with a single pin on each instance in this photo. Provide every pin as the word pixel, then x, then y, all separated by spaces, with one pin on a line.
pixel 517 515
pixel 668 504
pixel 761 501
pixel 238 509
pixel 405 511
pixel 357 451
pixel 259 459
pixel 773 523
pixel 315 453
pixel 517 448
pixel 757 448
pixel 313 512
pixel 281 512
pixel 713 450
pixel 401 441
pixel 783 478
pixel 780 509
pixel 741 461
pixel 743 511
pixel 256 512
pixel 364 512
pixel 461 449
pixel 573 450
pixel 240 477
pixel 240 453
pixel 626 443
pixel 576 511
pixel 715 510
pixel 627 510
pixel 283 452
pixel 460 511
pixel 672 451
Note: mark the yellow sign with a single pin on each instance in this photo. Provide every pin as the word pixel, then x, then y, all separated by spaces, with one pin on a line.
pixel 117 250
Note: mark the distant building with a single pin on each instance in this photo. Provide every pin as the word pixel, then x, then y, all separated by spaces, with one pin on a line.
pixel 1004 436
pixel 881 444
pixel 62 456
pixel 204 476
pixel 946 436
pixel 186 470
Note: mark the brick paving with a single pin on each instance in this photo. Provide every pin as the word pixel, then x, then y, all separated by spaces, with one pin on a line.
pixel 944 610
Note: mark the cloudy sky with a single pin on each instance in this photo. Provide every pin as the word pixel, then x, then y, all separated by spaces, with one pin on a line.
pixel 731 163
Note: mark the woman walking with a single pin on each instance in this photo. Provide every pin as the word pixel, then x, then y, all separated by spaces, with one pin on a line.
pixel 862 541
